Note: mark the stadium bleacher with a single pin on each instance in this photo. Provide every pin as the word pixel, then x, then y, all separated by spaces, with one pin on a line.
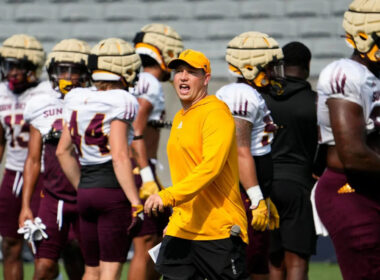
pixel 204 24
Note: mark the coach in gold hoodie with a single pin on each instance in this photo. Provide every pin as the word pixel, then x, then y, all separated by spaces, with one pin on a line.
pixel 207 233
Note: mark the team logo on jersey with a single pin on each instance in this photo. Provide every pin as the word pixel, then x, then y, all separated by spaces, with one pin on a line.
pixel 142 88
pixel 337 84
pixel 180 125
pixel 241 108
pixel 346 189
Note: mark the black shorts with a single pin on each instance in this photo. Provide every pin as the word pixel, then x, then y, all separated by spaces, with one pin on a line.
pixel 213 259
pixel 296 232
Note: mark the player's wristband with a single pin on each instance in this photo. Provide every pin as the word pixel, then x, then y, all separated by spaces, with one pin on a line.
pixel 255 195
pixel 146 174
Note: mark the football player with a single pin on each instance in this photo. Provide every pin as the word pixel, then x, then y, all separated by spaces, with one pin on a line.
pixel 348 194
pixel 254 58
pixel 21 61
pixel 99 123
pixel 156 44
pixel 67 69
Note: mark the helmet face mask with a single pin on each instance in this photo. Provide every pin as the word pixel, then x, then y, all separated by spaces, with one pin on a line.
pixel 277 76
pixel 19 73
pixel 9 64
pixel 277 70
pixel 271 77
pixel 66 76
pixel 374 53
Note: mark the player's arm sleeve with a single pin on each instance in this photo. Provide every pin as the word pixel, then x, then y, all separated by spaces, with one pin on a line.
pixel 149 90
pixel 343 85
pixel 125 110
pixel 242 104
pixel 218 133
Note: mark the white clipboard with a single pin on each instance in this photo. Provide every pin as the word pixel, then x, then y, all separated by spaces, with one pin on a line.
pixel 153 253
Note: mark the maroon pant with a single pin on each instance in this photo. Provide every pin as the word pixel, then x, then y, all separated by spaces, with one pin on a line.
pixel 10 202
pixel 58 235
pixel 105 214
pixel 353 222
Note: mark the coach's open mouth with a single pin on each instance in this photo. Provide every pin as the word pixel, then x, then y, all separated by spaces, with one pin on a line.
pixel 184 89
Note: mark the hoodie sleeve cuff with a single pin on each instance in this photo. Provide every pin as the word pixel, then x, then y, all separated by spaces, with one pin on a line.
pixel 167 198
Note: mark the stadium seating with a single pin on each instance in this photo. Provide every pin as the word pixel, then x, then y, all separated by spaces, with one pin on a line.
pixel 206 25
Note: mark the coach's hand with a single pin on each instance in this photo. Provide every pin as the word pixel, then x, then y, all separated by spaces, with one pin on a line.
pixel 25 214
pixel 137 218
pixel 153 205
pixel 260 217
pixel 148 188
pixel 274 217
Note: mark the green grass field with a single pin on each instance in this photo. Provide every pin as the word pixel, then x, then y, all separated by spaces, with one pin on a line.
pixel 318 271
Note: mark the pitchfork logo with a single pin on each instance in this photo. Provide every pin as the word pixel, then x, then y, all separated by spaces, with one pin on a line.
pixel 338 82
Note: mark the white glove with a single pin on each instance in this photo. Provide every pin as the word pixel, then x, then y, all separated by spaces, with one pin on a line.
pixel 38 231
pixel 33 231
pixel 26 229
